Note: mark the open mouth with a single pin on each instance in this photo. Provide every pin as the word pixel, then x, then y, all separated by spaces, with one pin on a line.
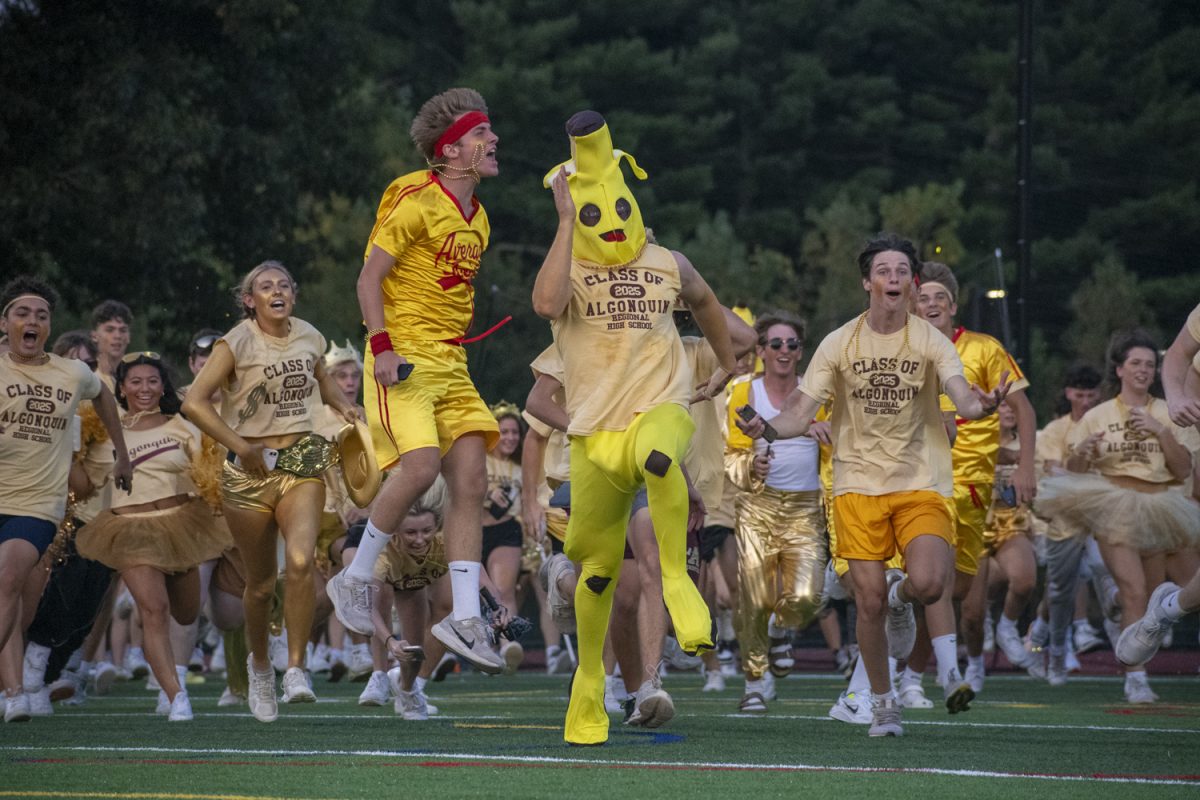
pixel 278 305
pixel 617 235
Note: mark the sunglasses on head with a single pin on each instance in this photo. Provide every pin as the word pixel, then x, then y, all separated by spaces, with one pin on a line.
pixel 129 358
pixel 777 343
pixel 204 344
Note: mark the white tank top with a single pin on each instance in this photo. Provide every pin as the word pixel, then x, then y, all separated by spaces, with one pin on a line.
pixel 797 462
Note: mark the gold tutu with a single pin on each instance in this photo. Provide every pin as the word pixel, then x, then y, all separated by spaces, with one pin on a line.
pixel 1147 521
pixel 172 540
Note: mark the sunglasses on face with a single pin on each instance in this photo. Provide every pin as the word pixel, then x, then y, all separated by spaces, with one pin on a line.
pixel 129 358
pixel 777 344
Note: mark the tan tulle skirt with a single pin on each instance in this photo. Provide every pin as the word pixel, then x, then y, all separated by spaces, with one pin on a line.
pixel 1145 520
pixel 172 540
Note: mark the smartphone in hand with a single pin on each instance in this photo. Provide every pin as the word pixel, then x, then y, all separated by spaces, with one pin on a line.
pixel 747 413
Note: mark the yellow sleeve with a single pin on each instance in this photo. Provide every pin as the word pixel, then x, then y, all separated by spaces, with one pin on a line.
pixel 402 226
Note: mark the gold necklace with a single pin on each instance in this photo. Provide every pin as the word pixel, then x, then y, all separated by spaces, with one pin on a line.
pixel 129 420
pixel 40 358
pixel 464 172
pixel 858 329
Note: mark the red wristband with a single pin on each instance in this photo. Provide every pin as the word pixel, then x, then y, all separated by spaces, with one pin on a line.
pixel 380 342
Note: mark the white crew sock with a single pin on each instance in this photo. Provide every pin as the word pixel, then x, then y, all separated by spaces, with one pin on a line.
pixel 419 684
pixel 464 583
pixel 362 568
pixel 1007 625
pixel 945 650
pixel 911 677
pixel 774 631
pixel 1170 606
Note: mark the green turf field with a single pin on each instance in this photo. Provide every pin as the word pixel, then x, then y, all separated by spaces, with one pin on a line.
pixel 502 737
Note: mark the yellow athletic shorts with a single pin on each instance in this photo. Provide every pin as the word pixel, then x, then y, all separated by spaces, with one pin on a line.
pixel 876 528
pixel 433 407
pixel 971 504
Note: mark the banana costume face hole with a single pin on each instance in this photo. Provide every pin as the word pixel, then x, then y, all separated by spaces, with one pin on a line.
pixel 609 231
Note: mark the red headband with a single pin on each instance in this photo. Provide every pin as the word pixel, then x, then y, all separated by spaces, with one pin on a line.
pixel 455 132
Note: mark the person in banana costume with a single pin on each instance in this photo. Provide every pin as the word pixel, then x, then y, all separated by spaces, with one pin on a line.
pixel 609 296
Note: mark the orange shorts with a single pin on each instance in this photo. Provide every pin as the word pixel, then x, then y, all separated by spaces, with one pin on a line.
pixel 875 528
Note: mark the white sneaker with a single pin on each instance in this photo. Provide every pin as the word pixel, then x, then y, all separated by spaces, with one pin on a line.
pixel 163 706
pixel 512 654
pixel 277 652
pixel 673 654
pixel 975 675
pixel 652 706
pixel 353 601
pixel 1138 643
pixel 377 691
pixel 430 708
pixel 17 709
pixel 901 622
pixel 562 606
pixel 318 658
pixel 411 706
pixel 885 719
pixel 196 662
pixel 1137 689
pixel 853 708
pixel 217 662
pixel 912 695
pixel 152 684
pixel 470 639
pixel 1086 637
pixel 33 667
pixel 135 662
pixel 181 708
pixel 263 704
pixel 614 694
pixel 560 663
pixel 714 681
pixel 39 702
pixel 104 675
pixel 1013 648
pixel 296 688
pixel 358 661
pixel 230 698
pixel 1071 660
pixel 1056 670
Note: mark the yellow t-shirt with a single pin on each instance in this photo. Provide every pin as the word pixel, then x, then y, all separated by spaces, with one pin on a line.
pixel 504 475
pixel 975 447
pixel 429 295
pixel 1125 452
pixel 887 425
pixel 162 462
pixel 622 353
pixel 37 408
pixel 705 460
pixel 274 390
pixel 1052 442
pixel 403 571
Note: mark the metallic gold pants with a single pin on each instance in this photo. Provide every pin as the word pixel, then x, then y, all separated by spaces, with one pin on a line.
pixel 781 567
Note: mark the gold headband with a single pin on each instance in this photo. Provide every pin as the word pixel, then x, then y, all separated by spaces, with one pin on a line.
pixel 505 409
pixel 22 297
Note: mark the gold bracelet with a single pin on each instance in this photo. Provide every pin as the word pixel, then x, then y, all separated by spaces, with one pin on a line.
pixel 374 331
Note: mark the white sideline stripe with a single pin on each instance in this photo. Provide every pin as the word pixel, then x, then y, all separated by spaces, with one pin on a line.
pixel 1006 725
pixel 961 773
pixel 386 717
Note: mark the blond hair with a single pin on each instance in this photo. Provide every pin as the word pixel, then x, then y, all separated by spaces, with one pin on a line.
pixel 246 287
pixel 438 113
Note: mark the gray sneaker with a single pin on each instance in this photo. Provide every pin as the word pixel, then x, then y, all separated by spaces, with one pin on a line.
pixel 352 602
pixel 562 607
pixel 470 639
pixel 901 622
pixel 1138 643
pixel 411 706
pixel 652 706
pixel 885 718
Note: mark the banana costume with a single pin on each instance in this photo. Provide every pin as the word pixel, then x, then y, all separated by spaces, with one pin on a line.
pixel 628 385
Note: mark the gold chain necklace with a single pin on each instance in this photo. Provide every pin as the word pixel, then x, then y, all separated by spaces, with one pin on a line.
pixel 39 359
pixel 464 172
pixel 858 329
pixel 129 420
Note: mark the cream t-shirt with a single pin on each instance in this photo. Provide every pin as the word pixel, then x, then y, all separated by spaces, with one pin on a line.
pixel 887 426
pixel 162 462
pixel 620 349
pixel 37 407
pixel 1124 451
pixel 274 390
pixel 705 459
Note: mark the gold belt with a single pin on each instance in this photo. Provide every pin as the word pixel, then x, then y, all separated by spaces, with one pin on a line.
pixel 309 456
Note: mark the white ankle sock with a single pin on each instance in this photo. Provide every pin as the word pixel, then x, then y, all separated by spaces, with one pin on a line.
pixel 362 568
pixel 1171 607
pixel 1005 624
pixel 910 677
pixel 464 583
